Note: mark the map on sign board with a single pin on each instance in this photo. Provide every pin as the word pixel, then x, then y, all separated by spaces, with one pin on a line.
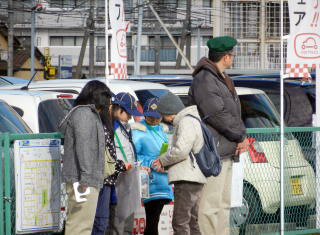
pixel 37 180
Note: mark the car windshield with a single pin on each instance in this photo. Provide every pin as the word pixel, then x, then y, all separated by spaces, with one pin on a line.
pixel 144 95
pixel 10 121
pixel 258 112
pixel 51 113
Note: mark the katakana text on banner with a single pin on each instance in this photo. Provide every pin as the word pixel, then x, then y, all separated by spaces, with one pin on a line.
pixel 118 42
pixel 303 47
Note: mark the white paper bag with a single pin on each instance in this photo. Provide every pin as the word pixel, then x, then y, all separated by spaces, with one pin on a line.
pixel 237 182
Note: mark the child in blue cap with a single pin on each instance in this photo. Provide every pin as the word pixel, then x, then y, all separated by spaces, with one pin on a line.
pixel 149 137
pixel 124 106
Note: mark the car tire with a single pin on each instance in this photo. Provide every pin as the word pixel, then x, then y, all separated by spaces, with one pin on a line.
pixel 253 206
pixel 251 196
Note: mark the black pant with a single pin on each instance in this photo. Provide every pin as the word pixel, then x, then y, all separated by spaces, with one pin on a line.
pixel 153 210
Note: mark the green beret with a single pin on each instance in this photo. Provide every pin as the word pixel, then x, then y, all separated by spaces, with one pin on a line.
pixel 221 44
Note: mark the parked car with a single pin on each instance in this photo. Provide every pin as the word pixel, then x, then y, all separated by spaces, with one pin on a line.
pixel 75 85
pixel 6 80
pixel 299 104
pixel 140 90
pixel 42 111
pixel 261 192
pixel 299 98
pixel 11 121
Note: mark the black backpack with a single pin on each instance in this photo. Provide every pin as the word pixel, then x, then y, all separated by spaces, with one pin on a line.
pixel 208 158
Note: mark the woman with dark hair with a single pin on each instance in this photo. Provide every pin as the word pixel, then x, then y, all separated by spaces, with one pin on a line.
pixel 84 155
pixel 107 194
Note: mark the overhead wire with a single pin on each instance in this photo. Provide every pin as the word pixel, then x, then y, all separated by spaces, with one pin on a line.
pixel 160 6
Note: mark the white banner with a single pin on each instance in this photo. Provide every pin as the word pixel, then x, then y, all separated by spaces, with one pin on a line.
pixel 118 42
pixel 165 222
pixel 303 46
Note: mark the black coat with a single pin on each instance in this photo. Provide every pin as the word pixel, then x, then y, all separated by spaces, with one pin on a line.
pixel 219 105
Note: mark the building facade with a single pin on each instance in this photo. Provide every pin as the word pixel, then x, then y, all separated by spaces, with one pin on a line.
pixel 256 25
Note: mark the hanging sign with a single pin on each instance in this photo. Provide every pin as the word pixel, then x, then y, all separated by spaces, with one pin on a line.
pixel 118 43
pixel 303 47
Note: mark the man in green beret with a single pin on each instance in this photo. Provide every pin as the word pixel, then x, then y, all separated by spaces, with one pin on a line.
pixel 218 104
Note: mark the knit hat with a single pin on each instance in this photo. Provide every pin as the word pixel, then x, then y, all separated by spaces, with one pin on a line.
pixel 170 104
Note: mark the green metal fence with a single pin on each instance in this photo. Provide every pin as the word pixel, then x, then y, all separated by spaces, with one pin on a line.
pixel 7 184
pixel 260 213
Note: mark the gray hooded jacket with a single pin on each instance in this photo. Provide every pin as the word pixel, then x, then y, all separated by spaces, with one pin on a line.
pixel 84 147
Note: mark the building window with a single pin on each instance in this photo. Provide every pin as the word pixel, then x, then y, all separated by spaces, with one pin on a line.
pixel 241 19
pixel 273 55
pixel 167 50
pixel 273 19
pixel 101 41
pixel 66 41
pixel 56 41
pixel 205 39
pixel 166 9
pixel 207 3
pixel 247 56
pixel 68 3
pixel 101 49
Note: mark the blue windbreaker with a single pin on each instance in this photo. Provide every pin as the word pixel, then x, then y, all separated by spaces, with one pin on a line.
pixel 148 145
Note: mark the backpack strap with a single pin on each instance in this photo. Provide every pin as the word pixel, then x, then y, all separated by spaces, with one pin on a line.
pixel 194 117
pixel 190 154
pixel 192 159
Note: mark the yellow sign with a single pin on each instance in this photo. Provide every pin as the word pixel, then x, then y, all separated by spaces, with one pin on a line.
pixel 296 187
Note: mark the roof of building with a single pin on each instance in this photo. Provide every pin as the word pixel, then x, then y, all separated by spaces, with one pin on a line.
pixel 21 53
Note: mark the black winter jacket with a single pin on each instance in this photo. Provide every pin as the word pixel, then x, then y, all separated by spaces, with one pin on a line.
pixel 218 106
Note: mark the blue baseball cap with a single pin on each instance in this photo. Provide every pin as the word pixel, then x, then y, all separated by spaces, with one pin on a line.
pixel 127 102
pixel 150 108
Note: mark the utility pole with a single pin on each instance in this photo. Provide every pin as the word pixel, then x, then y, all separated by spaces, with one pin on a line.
pixel 170 36
pixel 10 38
pixel 157 54
pixel 83 47
pixel 33 20
pixel 82 52
pixel 188 41
pixel 91 40
pixel 198 42
pixel 186 31
pixel 138 41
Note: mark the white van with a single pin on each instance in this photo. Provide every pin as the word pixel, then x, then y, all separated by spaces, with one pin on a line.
pixel 41 110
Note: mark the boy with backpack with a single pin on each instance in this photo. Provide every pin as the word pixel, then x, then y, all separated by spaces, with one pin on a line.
pixel 183 171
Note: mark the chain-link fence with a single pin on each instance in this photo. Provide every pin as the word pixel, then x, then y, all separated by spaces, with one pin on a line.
pixel 260 213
